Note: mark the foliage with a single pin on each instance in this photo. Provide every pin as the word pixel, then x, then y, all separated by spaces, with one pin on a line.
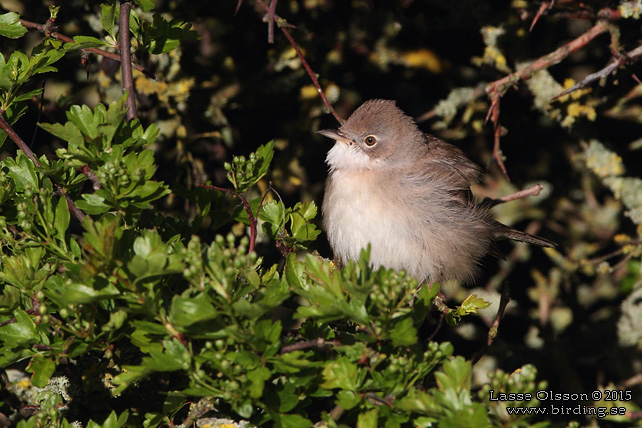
pixel 133 296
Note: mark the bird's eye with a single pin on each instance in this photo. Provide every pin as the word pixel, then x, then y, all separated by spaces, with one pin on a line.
pixel 370 140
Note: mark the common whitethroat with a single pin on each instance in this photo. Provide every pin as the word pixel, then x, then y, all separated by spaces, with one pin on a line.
pixel 407 194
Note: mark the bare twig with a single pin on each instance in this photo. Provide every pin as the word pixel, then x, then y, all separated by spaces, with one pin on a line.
pixel 270 17
pixel 631 56
pixel 534 190
pixel 498 88
pixel 492 332
pixel 493 114
pixel 307 344
pixel 4 125
pixel 248 210
pixel 281 23
pixel 542 8
pixel 436 330
pixel 125 54
pixel 501 86
pixel 388 401
pixel 102 52
pixel 91 175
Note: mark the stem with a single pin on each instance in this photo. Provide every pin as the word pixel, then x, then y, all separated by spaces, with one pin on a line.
pixel 248 210
pixel 56 35
pixel 492 333
pixel 307 67
pixel 125 54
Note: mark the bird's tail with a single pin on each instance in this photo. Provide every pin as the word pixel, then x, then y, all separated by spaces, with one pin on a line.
pixel 508 232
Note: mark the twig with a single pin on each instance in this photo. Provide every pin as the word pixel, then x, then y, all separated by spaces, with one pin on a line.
pixel 311 73
pixel 125 54
pixel 498 88
pixel 542 8
pixel 493 114
pixel 197 411
pixel 91 175
pixel 388 401
pixel 492 332
pixel 307 344
pixel 534 190
pixel 270 17
pixel 248 210
pixel 603 73
pixel 501 86
pixel 58 36
pixel 436 330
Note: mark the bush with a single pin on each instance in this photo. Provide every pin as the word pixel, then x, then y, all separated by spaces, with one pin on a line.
pixel 135 294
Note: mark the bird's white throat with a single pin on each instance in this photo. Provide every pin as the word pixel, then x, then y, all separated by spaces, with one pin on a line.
pixel 344 156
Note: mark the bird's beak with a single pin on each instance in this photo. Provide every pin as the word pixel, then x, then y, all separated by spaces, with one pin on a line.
pixel 335 134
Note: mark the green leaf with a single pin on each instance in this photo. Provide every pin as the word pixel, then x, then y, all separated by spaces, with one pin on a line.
pixel 472 304
pixel 145 5
pixel 83 42
pixel 42 369
pixel 273 215
pixel 290 421
pixel 85 120
pixel 108 17
pixel 23 172
pixel 23 330
pixel 404 333
pixel 340 373
pixel 257 378
pixel 10 26
pixel 368 419
pixel 112 421
pixel 348 400
pixel 62 218
pixel 187 310
pixel 93 203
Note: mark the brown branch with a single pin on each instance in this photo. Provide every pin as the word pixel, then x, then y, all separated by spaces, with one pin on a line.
pixel 493 114
pixel 91 175
pixel 101 52
pixel 534 190
pixel 27 151
pixel 307 344
pixel 631 56
pixel 388 401
pixel 492 332
pixel 498 88
pixel 542 8
pixel 125 54
pixel 248 210
pixel 282 24
pixel 501 86
pixel 270 17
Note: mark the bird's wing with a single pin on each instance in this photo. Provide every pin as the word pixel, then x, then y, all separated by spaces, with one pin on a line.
pixel 447 164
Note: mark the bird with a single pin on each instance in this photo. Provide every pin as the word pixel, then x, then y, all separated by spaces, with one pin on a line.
pixel 407 195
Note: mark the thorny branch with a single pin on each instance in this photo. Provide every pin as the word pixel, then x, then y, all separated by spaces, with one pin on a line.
pixel 498 88
pixel 633 55
pixel 283 26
